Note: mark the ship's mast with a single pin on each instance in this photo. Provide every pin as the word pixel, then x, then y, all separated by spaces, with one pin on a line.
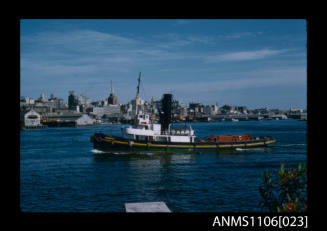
pixel 137 94
pixel 138 86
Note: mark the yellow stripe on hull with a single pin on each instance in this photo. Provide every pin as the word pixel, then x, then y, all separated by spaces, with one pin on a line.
pixel 253 144
pixel 120 142
pixel 139 144
pixel 180 146
pixel 112 140
pixel 224 146
pixel 158 145
pixel 205 146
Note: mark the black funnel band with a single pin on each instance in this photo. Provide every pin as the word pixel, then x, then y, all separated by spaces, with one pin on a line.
pixel 166 111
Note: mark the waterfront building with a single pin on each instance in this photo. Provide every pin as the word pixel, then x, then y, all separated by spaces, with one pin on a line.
pixel 275 111
pixel 226 109
pixel 32 119
pixel 294 113
pixel 98 111
pixel 61 110
pixel 260 111
pixel 40 109
pixel 67 118
pixel 304 116
pixel 85 120
pixel 111 110
pixel 64 116
pixel 99 103
pixel 26 100
pixel 241 109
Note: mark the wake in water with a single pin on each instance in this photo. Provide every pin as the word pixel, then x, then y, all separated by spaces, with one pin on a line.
pixel 96 151
pixel 250 149
pixel 290 145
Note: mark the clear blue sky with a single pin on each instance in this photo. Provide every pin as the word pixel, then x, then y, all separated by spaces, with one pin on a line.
pixel 255 63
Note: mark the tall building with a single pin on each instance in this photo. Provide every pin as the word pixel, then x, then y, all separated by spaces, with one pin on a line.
pixel 137 106
pixel 112 97
pixel 83 99
pixel 72 100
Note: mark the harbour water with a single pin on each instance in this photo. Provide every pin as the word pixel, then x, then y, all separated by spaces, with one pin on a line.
pixel 61 172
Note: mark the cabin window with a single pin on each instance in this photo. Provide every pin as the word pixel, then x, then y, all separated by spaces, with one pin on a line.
pixel 162 139
pixel 32 117
pixel 131 136
pixel 141 137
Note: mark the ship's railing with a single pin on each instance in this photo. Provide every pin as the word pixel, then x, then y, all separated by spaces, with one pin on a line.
pixel 177 131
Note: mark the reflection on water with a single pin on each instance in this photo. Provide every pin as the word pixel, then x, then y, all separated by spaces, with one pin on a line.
pixel 165 158
pixel 175 156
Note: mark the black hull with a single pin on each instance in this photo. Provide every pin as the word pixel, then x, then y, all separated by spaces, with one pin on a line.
pixel 110 143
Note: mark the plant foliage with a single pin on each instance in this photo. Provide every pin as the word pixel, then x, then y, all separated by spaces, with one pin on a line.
pixel 285 191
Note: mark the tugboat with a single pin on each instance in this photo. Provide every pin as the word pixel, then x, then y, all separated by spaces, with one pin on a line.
pixel 146 136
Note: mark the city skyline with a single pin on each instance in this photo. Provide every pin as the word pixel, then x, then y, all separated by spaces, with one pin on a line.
pixel 256 63
pixel 66 101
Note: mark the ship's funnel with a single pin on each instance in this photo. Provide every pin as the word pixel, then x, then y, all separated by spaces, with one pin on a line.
pixel 166 112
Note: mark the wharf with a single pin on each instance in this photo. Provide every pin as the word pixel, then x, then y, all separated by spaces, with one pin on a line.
pixel 33 127
pixel 146 207
pixel 60 123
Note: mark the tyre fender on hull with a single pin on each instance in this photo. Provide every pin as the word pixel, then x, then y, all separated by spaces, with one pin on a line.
pixel 97 139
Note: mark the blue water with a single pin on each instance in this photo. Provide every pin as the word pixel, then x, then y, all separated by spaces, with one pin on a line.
pixel 61 172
